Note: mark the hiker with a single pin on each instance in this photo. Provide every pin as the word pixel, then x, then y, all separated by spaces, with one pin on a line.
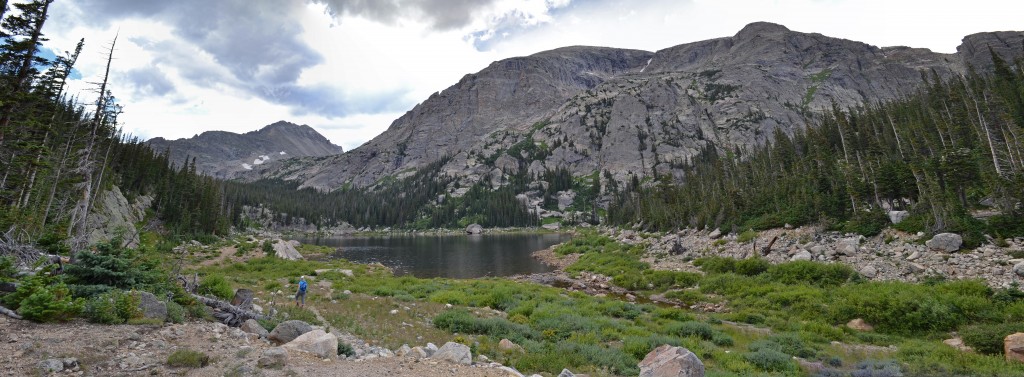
pixel 301 294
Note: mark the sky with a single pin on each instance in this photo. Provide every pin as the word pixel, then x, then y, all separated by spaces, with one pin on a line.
pixel 348 68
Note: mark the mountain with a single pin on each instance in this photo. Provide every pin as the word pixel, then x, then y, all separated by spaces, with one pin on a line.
pixel 225 154
pixel 638 113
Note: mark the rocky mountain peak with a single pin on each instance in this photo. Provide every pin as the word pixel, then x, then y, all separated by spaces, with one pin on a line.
pixel 760 28
pixel 225 154
pixel 630 112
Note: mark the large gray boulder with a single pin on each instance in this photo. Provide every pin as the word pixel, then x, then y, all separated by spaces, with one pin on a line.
pixel 897 217
pixel 318 342
pixel 948 242
pixel 252 327
pixel 151 307
pixel 669 361
pixel 474 229
pixel 287 331
pixel 454 353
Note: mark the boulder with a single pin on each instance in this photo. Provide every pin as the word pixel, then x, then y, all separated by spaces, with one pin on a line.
pixel 151 307
pixel 243 298
pixel 287 331
pixel 958 344
pixel 869 272
pixel 566 373
pixel 509 346
pixel 1018 269
pixel 897 217
pixel 669 361
pixel 403 350
pixel 418 353
pixel 948 242
pixel 552 226
pixel 252 327
pixel 848 246
pixel 431 349
pixel 286 249
pixel 474 229
pixel 1013 346
pixel 859 325
pixel 275 357
pixel 51 366
pixel 715 234
pixel 317 342
pixel 802 255
pixel 454 353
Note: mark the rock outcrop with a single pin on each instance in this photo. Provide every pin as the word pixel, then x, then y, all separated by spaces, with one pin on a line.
pixel 151 307
pixel 948 242
pixel 115 216
pixel 629 112
pixel 669 361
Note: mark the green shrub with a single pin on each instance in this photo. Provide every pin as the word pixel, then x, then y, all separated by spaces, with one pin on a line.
pixel 867 223
pixel 51 304
pixel 186 358
pixel 216 285
pixel 7 269
pixel 747 236
pixel 117 267
pixel 815 273
pixel 770 360
pixel 461 321
pixel 988 338
pixel 904 308
pixel 720 265
pixel 175 312
pixel 113 307
pixel 787 343
pixel 344 349
pixel 693 328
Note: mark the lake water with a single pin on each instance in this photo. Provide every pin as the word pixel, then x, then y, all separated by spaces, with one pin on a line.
pixel 453 256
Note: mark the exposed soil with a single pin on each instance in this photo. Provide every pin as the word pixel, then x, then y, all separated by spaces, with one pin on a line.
pixel 127 350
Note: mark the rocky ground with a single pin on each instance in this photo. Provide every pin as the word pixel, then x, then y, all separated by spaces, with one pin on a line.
pixel 892 255
pixel 84 349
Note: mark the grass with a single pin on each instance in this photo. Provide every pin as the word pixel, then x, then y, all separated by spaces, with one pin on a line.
pixel 799 309
pixel 187 358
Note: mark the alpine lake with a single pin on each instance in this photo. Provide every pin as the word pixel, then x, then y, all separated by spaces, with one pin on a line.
pixel 447 256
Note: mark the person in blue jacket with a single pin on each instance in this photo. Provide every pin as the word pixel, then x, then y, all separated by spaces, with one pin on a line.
pixel 300 296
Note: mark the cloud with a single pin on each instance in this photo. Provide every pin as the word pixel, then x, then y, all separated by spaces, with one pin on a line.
pixel 250 45
pixel 439 14
pixel 149 81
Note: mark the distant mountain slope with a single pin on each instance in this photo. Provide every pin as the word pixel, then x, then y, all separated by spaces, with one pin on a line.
pixel 225 154
pixel 630 112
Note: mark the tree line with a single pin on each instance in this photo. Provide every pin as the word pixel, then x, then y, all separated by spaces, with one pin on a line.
pixel 953 146
pixel 59 153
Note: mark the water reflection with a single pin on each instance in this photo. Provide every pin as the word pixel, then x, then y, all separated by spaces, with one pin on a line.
pixel 458 256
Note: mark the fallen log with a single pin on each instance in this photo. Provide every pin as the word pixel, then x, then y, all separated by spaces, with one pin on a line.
pixel 226 313
pixel 8 287
pixel 9 313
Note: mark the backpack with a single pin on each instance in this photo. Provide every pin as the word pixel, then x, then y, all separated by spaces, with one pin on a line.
pixel 302 286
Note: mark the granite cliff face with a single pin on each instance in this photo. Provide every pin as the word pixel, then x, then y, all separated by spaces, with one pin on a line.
pixel 632 112
pixel 225 154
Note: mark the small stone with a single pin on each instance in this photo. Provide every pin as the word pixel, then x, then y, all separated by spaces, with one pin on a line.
pixel 859 325
pixel 393 311
pixel 958 344
pixel 715 234
pixel 914 256
pixel 566 373
pixel 51 366
pixel 801 255
pixel 404 350
pixel 275 357
pixel 509 346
